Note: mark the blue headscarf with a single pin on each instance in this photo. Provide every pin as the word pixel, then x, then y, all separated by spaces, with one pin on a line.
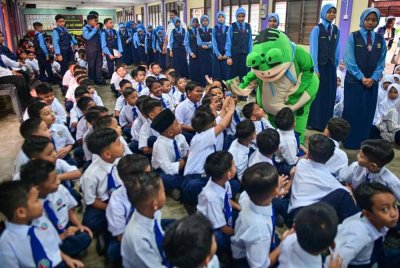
pixel 150 26
pixel 175 20
pixel 139 27
pixel 202 18
pixel 121 25
pixel 240 10
pixel 325 10
pixel 219 13
pixel 274 15
pixel 365 14
pixel 192 20
pixel 129 24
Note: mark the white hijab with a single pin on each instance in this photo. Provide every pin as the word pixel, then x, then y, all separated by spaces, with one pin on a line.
pixel 387 103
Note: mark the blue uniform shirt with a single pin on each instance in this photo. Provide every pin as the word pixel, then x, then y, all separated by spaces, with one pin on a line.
pixel 228 44
pixel 42 44
pixel 104 43
pixel 214 40
pixel 89 35
pixel 56 39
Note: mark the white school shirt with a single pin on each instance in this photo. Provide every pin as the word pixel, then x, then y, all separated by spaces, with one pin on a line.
pixel 258 157
pixel 94 180
pixel 61 202
pixel 61 167
pixel 355 175
pixel 232 127
pixel 120 103
pixel 136 126
pixel 68 77
pixel 75 114
pixel 34 64
pixel 167 100
pixel 146 132
pixel 287 148
pixel 118 211
pixel 15 245
pixel 294 256
pixel 97 99
pixel 145 90
pixel 126 115
pixel 253 234
pixel 240 155
pixel 70 95
pixel 311 183
pixel 261 125
pixel 160 76
pixel 211 203
pixel 177 96
pixel 355 239
pixel 139 246
pixel 164 153
pixel 90 156
pixel 115 79
pixel 220 138
pixel 58 110
pixel 185 111
pixel 83 63
pixel 61 136
pixel 56 67
pixel 202 145
pixel 81 128
pixel 338 160
pixel 20 160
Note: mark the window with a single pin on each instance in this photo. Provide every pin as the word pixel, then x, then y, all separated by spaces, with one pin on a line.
pixel 196 12
pixel 120 16
pixel 298 17
pixel 207 7
pixel 129 14
pixel 172 6
pixel 252 8
pixel 140 16
pixel 155 15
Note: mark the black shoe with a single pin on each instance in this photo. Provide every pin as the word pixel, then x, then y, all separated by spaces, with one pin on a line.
pixel 101 83
pixel 101 245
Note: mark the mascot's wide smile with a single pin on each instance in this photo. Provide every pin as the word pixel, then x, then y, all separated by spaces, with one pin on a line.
pixel 272 74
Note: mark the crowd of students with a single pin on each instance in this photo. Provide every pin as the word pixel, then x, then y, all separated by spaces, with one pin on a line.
pixel 239 176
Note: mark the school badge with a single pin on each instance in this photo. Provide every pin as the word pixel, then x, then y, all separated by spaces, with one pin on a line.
pixel 44 263
pixel 43 226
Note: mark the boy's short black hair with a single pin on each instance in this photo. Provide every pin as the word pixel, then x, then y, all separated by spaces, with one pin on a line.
pixel 366 191
pixel 103 122
pixel 141 100
pixel 260 181
pixel 149 104
pixel 144 186
pixel 128 91
pixel 163 81
pixel 106 20
pixel 320 148
pixel 136 71
pixel 268 141
pixel 217 164
pixel 123 82
pixel 100 139
pixel 191 86
pixel 248 109
pixel 188 241
pixel 203 119
pixel 150 81
pixel 88 83
pixel 91 17
pixel 120 65
pixel 154 64
pixel 338 128
pixel 58 17
pixel 378 151
pixel 71 63
pixel 316 227
pixel 35 107
pixel 29 126
pixel 83 103
pixel 44 88
pixel 245 129
pixel 284 119
pixel 77 67
pixel 80 91
pixel 207 99
pixel 37 25
pixel 92 115
pixel 131 165
pixel 93 12
pixel 34 145
pixel 13 195
pixel 36 171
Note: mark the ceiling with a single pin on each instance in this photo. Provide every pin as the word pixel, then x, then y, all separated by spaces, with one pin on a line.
pixel 84 3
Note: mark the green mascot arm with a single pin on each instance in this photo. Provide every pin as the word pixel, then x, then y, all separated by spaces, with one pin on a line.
pixel 250 76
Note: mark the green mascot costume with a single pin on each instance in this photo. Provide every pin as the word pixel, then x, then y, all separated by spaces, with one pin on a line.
pixel 284 75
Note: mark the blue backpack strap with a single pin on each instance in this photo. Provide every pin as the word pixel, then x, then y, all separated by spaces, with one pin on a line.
pixel 288 73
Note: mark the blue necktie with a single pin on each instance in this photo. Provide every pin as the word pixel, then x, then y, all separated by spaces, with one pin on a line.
pixel 129 213
pixel 182 97
pixel 164 105
pixel 367 179
pixel 273 240
pixel 54 144
pixel 110 182
pixel 241 27
pixel 377 256
pixel 228 210
pixel 237 118
pixel 134 113
pixel 195 106
pixel 173 90
pixel 262 126
pixel 39 255
pixel 159 241
pixel 53 217
pixel 140 87
pixel 177 153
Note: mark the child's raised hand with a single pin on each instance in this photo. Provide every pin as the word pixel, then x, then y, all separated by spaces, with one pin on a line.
pixel 74 263
pixel 335 262
pixel 231 104
pixel 283 186
pixel 209 79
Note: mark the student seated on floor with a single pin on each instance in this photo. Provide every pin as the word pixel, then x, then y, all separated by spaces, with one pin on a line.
pixel 256 114
pixel 129 112
pixel 147 136
pixel 267 144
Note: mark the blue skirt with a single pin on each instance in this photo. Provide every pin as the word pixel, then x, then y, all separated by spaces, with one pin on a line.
pixel 179 61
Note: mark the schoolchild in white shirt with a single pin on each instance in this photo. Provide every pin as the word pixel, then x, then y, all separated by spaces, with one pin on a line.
pixel 147 136
pixel 155 70
pixel 119 74
pixel 84 104
pixel 267 145
pixel 120 209
pixel 120 102
pixel 156 92
pixel 137 124
pixel 46 93
pixel 337 130
pixel 240 148
pixel 139 78
pixel 129 113
pixel 256 114
pixel 178 92
pixel 190 242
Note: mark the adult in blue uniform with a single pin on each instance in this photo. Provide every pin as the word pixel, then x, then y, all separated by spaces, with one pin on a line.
pixel 111 45
pixel 205 48
pixel 148 45
pixel 273 21
pixel 365 61
pixel 91 34
pixel 134 28
pixel 192 49
pixel 219 33
pixel 325 52
pixel 42 54
pixel 177 49
pixel 139 43
pixel 129 44
pixel 62 43
pixel 161 53
pixel 238 45
pixel 123 35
